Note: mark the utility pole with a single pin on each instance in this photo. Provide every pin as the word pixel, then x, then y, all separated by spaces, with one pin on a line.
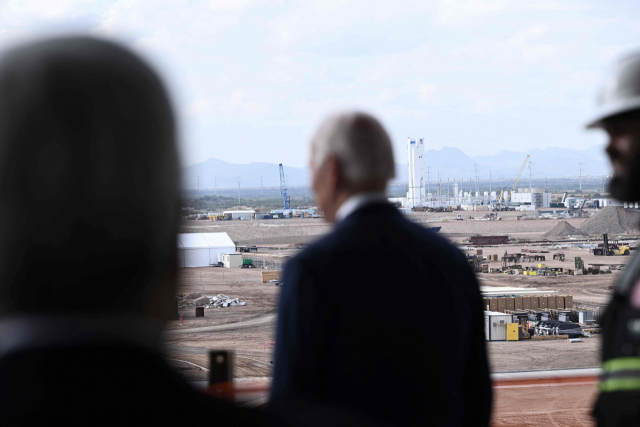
pixel 238 191
pixel 581 163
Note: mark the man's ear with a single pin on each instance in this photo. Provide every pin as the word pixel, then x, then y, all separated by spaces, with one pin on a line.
pixel 333 173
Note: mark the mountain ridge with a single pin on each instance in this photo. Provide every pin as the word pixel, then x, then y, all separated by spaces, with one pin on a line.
pixel 448 162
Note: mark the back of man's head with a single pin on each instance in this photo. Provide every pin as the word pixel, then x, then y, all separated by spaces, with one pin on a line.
pixel 360 143
pixel 89 181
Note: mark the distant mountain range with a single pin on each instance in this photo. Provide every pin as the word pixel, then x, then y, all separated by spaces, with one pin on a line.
pixel 448 162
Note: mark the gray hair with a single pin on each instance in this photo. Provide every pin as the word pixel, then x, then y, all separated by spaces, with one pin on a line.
pixel 360 143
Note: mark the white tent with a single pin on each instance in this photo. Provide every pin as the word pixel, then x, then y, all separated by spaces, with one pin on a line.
pixel 202 249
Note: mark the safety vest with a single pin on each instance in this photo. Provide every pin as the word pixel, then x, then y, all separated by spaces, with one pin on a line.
pixel 620 374
pixel 619 399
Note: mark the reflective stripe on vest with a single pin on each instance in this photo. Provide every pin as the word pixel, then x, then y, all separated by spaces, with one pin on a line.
pixel 620 374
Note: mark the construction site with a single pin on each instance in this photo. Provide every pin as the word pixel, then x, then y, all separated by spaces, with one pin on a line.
pixel 545 274
pixel 538 275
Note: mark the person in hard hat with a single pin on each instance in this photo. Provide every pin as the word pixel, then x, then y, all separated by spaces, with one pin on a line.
pixel 618 402
pixel 414 356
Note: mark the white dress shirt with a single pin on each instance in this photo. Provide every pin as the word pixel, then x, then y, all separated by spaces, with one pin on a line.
pixel 357 201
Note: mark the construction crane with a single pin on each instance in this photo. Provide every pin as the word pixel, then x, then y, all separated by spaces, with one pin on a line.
pixel 283 189
pixel 508 198
pixel 501 194
pixel 581 205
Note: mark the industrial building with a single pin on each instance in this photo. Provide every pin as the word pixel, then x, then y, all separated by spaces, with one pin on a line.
pixel 240 214
pixel 531 198
pixel 576 202
pixel 203 249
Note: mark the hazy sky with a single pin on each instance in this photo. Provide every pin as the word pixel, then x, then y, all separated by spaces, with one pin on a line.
pixel 251 79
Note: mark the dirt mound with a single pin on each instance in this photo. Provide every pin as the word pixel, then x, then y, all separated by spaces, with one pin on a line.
pixel 563 229
pixel 612 220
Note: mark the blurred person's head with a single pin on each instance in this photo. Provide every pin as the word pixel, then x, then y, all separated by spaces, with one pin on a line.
pixel 350 153
pixel 89 182
pixel 619 116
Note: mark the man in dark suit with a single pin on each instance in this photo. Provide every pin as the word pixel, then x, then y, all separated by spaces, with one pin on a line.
pixel 381 316
pixel 89 209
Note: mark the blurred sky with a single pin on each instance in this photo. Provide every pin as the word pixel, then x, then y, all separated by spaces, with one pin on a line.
pixel 251 79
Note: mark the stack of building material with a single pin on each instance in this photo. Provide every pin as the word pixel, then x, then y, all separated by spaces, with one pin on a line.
pixel 222 300
pixel 270 275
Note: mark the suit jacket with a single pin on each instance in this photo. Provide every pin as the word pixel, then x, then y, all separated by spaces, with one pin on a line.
pixel 384 317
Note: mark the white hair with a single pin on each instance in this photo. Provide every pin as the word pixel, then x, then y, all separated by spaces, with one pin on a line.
pixel 360 143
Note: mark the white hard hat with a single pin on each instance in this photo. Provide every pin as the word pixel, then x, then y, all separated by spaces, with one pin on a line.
pixel 621 93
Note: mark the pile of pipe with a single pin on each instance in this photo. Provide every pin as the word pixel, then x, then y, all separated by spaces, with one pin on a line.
pixel 555 327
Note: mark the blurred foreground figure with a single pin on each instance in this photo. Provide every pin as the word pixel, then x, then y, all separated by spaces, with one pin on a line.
pixel 89 209
pixel 619 400
pixel 381 316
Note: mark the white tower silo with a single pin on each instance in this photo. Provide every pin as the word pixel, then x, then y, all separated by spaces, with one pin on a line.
pixel 416 191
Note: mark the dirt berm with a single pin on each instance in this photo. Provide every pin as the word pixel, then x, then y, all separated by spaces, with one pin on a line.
pixel 612 220
pixel 563 229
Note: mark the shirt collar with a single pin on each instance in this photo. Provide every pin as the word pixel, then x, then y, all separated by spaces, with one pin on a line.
pixel 357 201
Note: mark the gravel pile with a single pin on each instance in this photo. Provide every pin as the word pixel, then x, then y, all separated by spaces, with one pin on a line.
pixel 563 229
pixel 612 220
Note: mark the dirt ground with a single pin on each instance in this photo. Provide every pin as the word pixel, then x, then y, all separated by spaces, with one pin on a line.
pixel 249 330
pixel 251 341
pixel 551 405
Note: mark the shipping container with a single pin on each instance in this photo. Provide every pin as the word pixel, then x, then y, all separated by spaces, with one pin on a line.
pixel 493 303
pixel 486 304
pixel 568 301
pixel 535 303
pixel 526 303
pixel 560 302
pixel 495 325
pixel 502 305
pixel 551 302
pixel 542 303
pixel 519 303
pixel 511 303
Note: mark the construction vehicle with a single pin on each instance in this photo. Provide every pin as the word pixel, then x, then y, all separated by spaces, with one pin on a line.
pixel 607 249
pixel 501 194
pixel 581 205
pixel 221 217
pixel 508 198
pixel 247 263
